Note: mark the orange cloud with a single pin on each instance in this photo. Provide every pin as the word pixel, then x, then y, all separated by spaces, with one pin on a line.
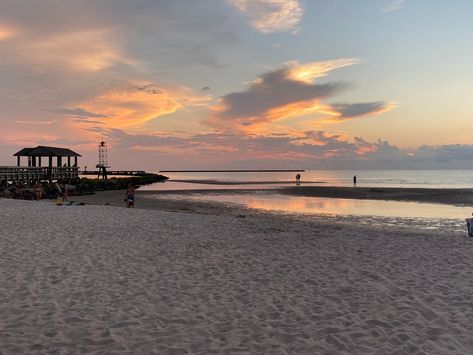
pixel 286 94
pixel 310 71
pixel 134 104
pixel 277 117
pixel 297 109
pixel 366 150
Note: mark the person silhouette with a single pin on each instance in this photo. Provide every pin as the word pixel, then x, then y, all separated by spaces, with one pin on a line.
pixel 298 179
pixel 130 196
pixel 354 180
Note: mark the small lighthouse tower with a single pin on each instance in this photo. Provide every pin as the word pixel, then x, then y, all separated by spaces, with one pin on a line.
pixel 103 160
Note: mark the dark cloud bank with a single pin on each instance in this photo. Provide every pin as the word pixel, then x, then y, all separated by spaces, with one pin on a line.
pixel 313 150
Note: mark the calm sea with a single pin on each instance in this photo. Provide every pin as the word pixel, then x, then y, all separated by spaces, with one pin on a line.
pixel 300 204
pixel 378 178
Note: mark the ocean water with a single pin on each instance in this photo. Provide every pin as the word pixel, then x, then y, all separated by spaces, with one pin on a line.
pixel 317 205
pixel 365 178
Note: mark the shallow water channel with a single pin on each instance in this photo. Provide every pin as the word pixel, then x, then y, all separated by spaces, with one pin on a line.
pixel 318 205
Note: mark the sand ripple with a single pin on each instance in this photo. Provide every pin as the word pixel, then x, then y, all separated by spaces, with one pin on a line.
pixel 106 280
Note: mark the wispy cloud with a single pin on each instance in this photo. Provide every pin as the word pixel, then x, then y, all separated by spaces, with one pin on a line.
pixel 133 104
pixel 112 64
pixel 394 6
pixel 269 16
pixel 78 112
pixel 35 122
pixel 82 50
pixel 310 71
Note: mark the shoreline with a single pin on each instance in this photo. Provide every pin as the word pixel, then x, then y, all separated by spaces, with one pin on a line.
pixel 448 196
pixel 146 200
pixel 194 201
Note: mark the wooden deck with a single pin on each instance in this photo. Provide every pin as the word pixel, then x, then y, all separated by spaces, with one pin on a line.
pixel 28 174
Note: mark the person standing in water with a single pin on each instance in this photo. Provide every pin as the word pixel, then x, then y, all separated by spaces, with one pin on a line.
pixel 354 180
pixel 130 196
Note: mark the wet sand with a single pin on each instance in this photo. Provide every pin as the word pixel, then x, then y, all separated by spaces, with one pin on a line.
pixel 221 182
pixel 116 199
pixel 455 197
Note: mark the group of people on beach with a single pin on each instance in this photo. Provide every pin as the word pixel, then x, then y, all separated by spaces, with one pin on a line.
pixel 59 188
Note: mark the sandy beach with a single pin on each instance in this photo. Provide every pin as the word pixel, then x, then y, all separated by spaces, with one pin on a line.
pixel 102 279
pixel 248 177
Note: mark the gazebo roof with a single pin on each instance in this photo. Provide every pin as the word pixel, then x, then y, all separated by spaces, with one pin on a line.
pixel 43 151
pixel 23 153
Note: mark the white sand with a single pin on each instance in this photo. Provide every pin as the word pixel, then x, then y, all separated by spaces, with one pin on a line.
pixel 107 280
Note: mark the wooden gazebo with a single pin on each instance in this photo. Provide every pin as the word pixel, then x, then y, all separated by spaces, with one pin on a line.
pixel 58 166
pixel 35 154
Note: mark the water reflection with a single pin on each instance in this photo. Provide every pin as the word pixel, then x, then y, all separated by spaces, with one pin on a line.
pixel 312 205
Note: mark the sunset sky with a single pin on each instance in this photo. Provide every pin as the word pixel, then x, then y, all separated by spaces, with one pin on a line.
pixel 202 84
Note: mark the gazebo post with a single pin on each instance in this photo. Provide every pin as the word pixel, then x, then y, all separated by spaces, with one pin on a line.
pixel 59 161
pixel 18 160
pixel 50 169
pixel 68 162
pixel 75 161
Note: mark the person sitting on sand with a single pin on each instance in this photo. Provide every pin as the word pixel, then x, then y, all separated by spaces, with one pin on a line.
pixel 64 191
pixel 130 196
pixel 38 191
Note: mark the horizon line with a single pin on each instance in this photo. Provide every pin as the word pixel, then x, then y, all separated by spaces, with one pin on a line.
pixel 235 171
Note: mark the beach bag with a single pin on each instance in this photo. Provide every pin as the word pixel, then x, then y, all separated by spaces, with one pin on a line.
pixel 469 226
